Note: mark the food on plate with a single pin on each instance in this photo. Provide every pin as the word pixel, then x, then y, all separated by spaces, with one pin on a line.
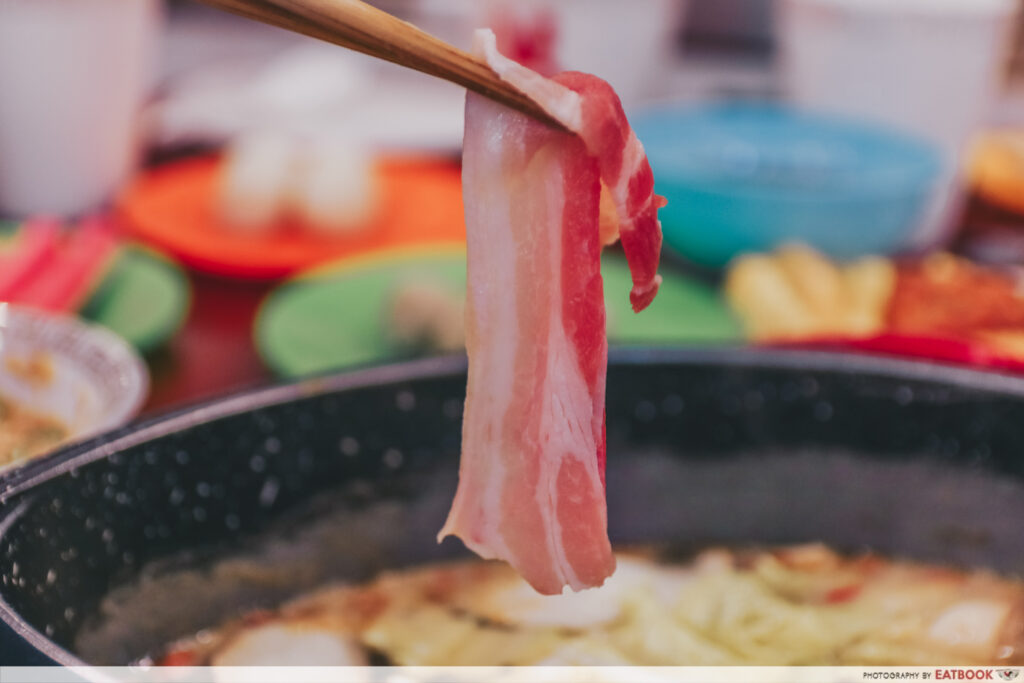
pixel 338 194
pixel 531 478
pixel 254 181
pixel 25 433
pixel 54 270
pixel 997 171
pixel 327 187
pixel 176 207
pixel 1006 343
pixel 35 370
pixel 428 315
pixel 797 292
pixel 942 294
pixel 804 605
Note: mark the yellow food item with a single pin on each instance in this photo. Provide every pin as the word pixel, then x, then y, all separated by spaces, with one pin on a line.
pixel 25 434
pixel 1009 343
pixel 797 293
pixel 795 606
pixel 869 285
pixel 816 281
pixel 997 170
pixel 760 293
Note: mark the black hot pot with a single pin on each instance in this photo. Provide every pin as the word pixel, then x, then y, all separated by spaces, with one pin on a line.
pixel 916 460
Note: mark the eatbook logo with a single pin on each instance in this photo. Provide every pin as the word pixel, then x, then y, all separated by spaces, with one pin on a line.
pixel 1008 674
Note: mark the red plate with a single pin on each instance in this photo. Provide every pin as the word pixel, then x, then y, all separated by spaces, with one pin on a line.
pixel 173 207
pixel 945 350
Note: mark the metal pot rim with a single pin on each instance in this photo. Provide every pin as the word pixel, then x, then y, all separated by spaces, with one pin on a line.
pixel 20 481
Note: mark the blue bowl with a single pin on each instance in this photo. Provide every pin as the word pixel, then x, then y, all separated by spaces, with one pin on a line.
pixel 749 177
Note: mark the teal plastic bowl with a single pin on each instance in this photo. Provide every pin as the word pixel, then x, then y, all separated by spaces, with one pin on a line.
pixel 749 177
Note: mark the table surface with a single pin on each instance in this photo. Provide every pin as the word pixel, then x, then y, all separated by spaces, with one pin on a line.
pixel 213 354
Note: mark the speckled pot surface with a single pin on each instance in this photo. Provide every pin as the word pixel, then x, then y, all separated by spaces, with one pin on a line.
pixel 738 447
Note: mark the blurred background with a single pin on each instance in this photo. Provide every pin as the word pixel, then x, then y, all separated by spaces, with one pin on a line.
pixel 238 204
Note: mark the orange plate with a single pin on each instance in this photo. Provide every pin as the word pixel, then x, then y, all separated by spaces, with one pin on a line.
pixel 173 207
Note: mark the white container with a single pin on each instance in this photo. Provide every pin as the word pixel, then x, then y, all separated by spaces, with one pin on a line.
pixel 98 380
pixel 931 68
pixel 628 43
pixel 73 77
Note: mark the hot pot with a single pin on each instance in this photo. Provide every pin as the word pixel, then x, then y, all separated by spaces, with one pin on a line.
pixel 740 447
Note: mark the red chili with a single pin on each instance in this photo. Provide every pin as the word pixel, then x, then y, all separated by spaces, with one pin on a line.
pixel 179 658
pixel 842 594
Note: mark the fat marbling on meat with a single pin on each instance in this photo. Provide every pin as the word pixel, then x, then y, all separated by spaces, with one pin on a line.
pixel 531 479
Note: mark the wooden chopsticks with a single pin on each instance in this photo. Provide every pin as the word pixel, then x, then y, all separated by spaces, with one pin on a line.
pixel 364 28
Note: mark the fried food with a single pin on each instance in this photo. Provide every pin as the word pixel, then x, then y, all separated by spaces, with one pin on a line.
pixel 798 293
pixel 944 295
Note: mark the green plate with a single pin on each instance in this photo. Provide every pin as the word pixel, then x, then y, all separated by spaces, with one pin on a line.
pixel 336 317
pixel 144 298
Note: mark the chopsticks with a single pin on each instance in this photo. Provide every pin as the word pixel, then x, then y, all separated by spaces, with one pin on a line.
pixel 364 28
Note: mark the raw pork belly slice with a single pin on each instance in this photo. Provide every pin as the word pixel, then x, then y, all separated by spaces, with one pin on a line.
pixel 531 479
pixel 589 107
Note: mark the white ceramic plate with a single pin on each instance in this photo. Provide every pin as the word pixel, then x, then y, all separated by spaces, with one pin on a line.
pixel 98 381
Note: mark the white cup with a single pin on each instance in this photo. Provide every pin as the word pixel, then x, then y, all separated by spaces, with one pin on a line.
pixel 930 68
pixel 73 77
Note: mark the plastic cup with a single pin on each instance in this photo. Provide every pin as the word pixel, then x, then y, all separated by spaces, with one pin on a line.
pixel 73 77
